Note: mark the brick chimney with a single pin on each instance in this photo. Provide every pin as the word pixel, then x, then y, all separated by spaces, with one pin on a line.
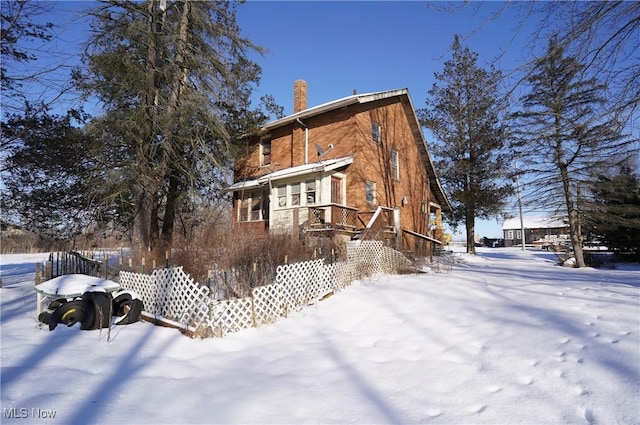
pixel 299 96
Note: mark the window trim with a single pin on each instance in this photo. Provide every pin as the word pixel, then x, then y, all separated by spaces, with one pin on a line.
pixel 293 194
pixel 395 168
pixel 307 191
pixel 303 193
pixel 246 202
pixel 282 196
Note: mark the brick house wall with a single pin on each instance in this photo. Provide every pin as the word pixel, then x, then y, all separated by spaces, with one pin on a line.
pixel 347 131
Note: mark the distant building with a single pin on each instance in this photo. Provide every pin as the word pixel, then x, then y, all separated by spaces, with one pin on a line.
pixel 538 230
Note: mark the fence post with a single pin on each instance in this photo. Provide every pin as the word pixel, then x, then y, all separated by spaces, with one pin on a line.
pixel 166 259
pixel 37 274
pixel 106 266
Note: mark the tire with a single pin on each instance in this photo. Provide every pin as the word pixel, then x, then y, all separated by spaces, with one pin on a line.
pixel 100 306
pixel 122 304
pixel 44 317
pixel 69 313
pixel 127 307
pixel 57 303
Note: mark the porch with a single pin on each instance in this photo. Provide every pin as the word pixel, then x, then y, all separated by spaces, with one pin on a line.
pixel 382 223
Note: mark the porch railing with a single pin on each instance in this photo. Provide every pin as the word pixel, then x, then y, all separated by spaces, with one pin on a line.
pixel 333 216
pixel 379 224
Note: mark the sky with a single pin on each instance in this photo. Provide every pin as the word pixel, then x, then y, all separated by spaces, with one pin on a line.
pixel 505 337
pixel 369 46
pixel 339 47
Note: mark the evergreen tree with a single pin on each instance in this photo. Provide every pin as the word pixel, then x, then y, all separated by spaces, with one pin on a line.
pixel 47 186
pixel 465 113
pixel 170 75
pixel 614 214
pixel 563 138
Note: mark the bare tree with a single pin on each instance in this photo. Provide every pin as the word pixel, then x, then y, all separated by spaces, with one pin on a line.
pixel 564 138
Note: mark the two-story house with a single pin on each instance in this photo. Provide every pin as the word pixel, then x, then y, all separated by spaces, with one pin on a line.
pixel 356 167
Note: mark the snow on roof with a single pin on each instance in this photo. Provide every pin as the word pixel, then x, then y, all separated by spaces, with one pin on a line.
pixel 300 170
pixel 334 104
pixel 534 222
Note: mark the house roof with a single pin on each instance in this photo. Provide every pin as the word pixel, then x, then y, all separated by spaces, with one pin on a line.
pixel 300 170
pixel 416 129
pixel 534 222
pixel 335 104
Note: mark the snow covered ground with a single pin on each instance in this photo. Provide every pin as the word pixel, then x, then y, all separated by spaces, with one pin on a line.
pixel 506 337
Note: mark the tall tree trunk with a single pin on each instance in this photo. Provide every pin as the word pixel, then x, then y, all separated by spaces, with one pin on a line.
pixel 574 227
pixel 173 152
pixel 170 212
pixel 470 225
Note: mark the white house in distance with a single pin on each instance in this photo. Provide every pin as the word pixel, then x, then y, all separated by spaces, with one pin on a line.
pixel 544 231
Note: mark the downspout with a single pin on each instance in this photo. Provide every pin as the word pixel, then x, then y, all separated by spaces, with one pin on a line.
pixel 306 141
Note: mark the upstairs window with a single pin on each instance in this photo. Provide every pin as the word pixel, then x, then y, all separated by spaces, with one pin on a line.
pixel 395 171
pixel 370 192
pixel 265 152
pixel 375 132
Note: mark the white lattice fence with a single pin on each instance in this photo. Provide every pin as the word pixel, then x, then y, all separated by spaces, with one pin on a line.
pixel 268 304
pixel 145 286
pixel 231 316
pixel 393 261
pixel 172 294
pixel 365 256
pixel 298 282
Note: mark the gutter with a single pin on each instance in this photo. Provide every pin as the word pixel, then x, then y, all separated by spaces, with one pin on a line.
pixel 306 140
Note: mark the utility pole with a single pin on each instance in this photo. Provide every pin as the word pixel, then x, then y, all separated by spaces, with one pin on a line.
pixel 519 204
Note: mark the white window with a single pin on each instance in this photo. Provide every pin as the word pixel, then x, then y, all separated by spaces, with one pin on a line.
pixel 370 192
pixel 518 234
pixel 310 187
pixel 395 171
pixel 251 206
pixel 295 194
pixel 282 196
pixel 375 132
pixel 510 234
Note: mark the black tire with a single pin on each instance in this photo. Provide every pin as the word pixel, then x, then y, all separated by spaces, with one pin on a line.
pixel 127 308
pixel 101 309
pixel 122 304
pixel 57 303
pixel 69 313
pixel 45 317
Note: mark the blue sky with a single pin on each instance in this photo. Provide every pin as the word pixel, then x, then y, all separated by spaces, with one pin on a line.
pixel 368 45
pixel 373 46
pixel 338 47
